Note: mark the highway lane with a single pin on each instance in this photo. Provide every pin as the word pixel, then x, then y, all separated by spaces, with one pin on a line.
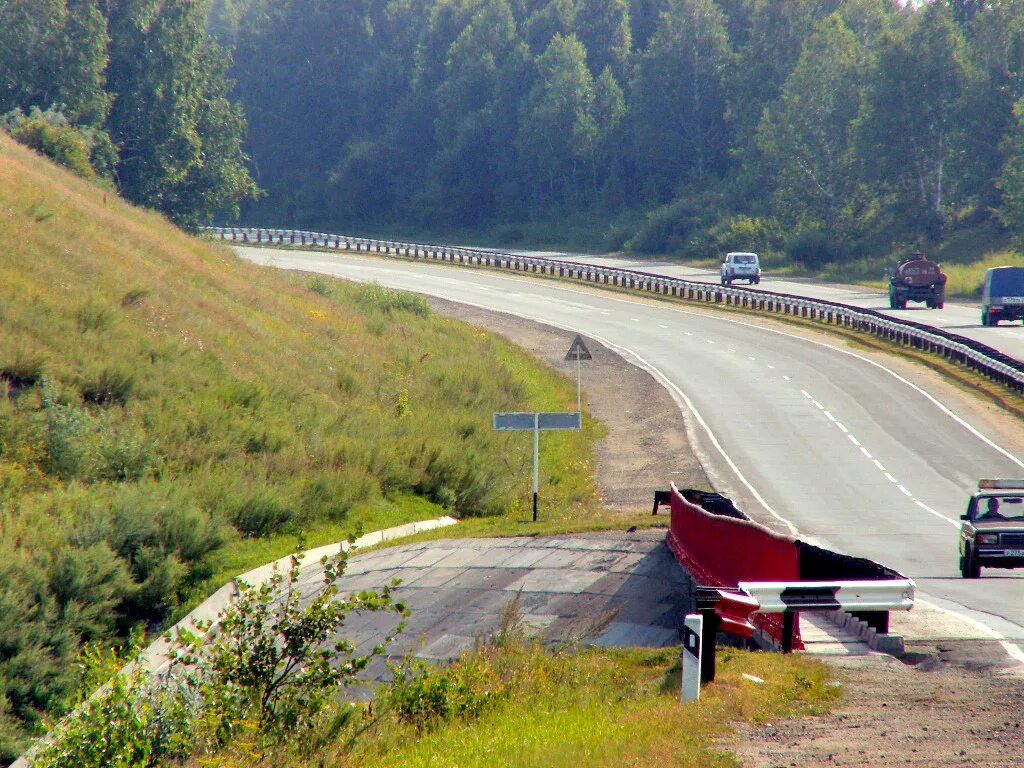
pixel 959 317
pixel 838 447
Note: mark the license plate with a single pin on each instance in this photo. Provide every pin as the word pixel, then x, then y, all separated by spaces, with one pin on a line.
pixel 1013 300
pixel 1014 552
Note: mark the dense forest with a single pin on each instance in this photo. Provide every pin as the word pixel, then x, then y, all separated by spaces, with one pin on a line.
pixel 130 92
pixel 825 129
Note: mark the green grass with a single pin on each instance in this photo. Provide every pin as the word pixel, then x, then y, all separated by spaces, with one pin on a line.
pixel 515 704
pixel 171 416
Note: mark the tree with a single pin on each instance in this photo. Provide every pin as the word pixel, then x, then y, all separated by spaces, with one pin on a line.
pixel 602 26
pixel 169 116
pixel 805 135
pixel 558 135
pixel 679 99
pixel 910 130
pixel 1011 180
pixel 475 128
pixel 770 43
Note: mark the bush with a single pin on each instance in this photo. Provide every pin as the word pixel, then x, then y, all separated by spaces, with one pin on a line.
pixel 812 249
pixel 261 515
pixel 50 134
pixel 111 386
pixel 425 697
pixel 68 430
pixel 22 369
pixel 321 285
pixel 374 297
pixel 124 455
pixel 93 316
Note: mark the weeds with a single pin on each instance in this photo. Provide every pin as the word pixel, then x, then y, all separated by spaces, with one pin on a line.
pixel 22 369
pixel 134 297
pixel 110 386
pixel 321 285
pixel 93 316
pixel 375 297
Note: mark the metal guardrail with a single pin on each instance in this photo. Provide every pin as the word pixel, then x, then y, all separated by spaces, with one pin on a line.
pixel 985 360
pixel 853 596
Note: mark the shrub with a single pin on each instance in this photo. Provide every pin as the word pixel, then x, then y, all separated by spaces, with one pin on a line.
pixel 22 369
pixel 124 455
pixel 93 316
pixel 260 515
pixel 813 249
pixel 424 697
pixel 68 430
pixel 374 297
pixel 111 386
pixel 134 297
pixel 49 133
pixel 276 659
pixel 321 285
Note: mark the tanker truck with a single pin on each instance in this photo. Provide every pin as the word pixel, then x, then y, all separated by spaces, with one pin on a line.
pixel 915 278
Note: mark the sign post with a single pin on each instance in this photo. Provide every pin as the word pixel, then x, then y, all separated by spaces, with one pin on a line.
pixel 578 351
pixel 536 422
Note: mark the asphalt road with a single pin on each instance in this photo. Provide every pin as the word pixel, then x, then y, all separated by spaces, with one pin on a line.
pixel 819 440
pixel 963 318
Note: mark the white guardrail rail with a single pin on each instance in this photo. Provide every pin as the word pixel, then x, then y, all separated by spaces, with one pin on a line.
pixel 853 596
pixel 974 355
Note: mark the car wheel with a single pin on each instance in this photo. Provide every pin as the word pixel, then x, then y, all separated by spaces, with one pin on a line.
pixel 984 318
pixel 969 566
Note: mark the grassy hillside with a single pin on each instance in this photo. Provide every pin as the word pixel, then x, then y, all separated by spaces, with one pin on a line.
pixel 164 405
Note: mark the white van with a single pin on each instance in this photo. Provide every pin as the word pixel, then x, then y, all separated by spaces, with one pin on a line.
pixel 741 266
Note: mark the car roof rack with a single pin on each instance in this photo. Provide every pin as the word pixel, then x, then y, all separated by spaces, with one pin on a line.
pixel 999 484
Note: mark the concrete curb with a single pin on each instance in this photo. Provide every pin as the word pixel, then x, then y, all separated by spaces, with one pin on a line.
pixel 156 657
pixel 889 643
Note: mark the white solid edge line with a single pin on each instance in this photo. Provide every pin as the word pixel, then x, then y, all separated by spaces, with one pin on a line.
pixel 938 514
pixel 1013 651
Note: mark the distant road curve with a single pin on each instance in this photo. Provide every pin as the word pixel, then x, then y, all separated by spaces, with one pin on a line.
pixel 991 362
pixel 961 318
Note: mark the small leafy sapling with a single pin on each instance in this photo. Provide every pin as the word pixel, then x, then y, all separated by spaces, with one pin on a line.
pixel 274 659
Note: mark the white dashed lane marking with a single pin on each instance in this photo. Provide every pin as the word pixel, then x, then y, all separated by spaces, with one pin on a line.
pixel 881 468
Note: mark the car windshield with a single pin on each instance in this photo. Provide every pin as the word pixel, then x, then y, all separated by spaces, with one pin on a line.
pixel 744 258
pixel 1000 507
pixel 1008 281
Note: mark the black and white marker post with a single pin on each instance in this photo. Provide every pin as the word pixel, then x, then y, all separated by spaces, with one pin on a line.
pixel 693 629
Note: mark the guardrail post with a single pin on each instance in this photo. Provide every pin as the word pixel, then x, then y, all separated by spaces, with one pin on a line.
pixel 788 630
pixel 877 619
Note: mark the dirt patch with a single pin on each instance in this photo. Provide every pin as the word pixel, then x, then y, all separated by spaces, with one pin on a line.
pixel 646 445
pixel 893 714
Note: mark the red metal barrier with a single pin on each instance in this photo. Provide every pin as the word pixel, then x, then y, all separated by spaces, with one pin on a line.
pixel 722 551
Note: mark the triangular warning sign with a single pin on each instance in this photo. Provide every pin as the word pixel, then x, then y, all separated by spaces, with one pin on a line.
pixel 578 350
